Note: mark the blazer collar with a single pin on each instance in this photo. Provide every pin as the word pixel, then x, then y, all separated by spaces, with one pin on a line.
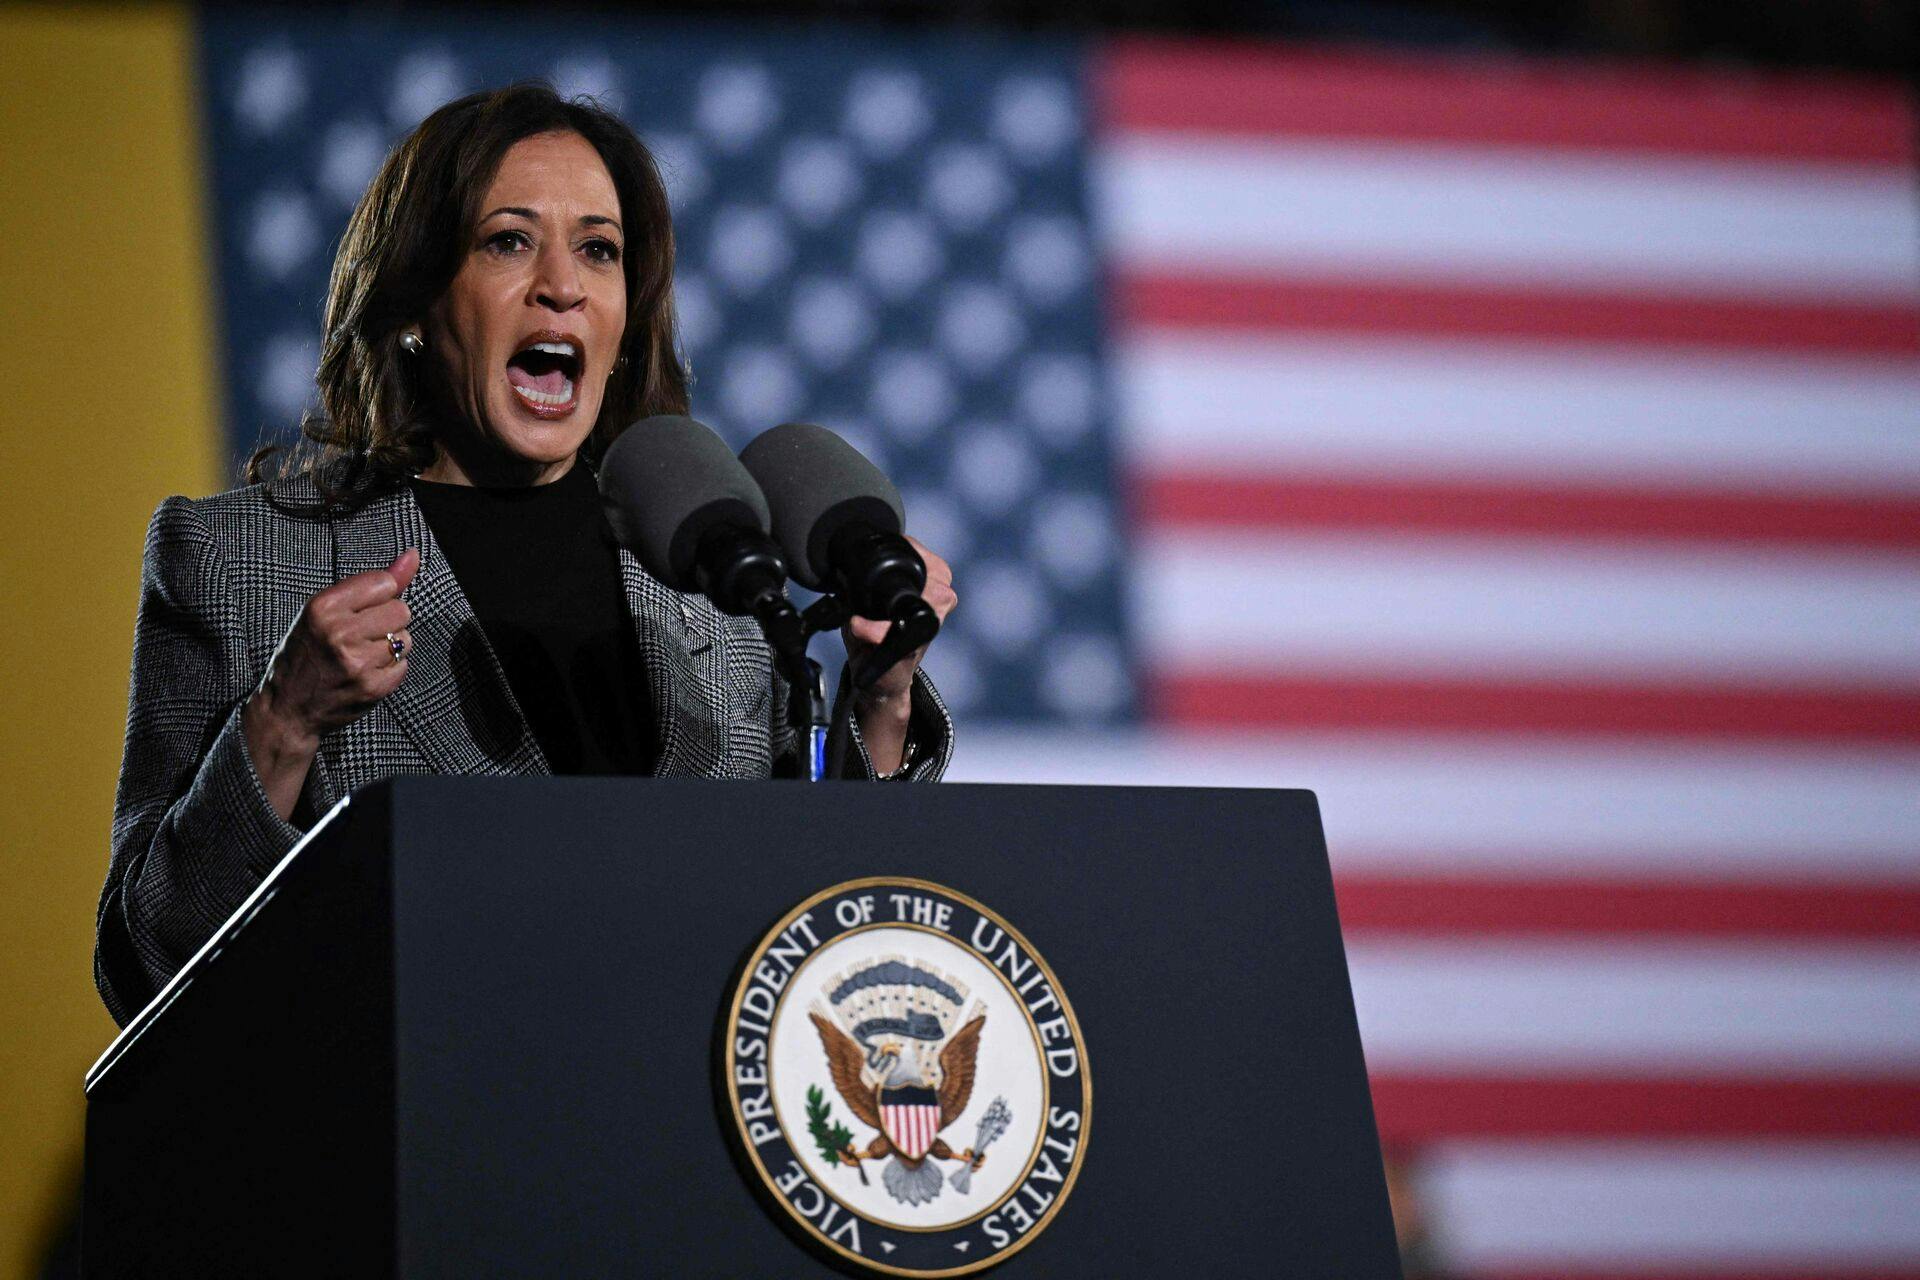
pixel 455 703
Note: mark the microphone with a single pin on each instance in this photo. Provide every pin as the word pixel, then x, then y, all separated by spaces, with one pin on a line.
pixel 840 522
pixel 682 503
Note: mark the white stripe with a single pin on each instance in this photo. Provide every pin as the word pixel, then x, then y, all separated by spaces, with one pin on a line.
pixel 1456 803
pixel 1466 606
pixel 1636 1005
pixel 1659 1206
pixel 1490 410
pixel 1189 203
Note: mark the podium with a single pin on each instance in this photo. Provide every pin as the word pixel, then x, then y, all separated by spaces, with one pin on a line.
pixel 476 1027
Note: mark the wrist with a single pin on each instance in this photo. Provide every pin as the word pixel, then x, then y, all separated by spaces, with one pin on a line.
pixel 888 708
pixel 272 731
pixel 882 722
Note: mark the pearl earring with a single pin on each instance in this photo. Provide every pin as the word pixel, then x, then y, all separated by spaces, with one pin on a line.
pixel 412 343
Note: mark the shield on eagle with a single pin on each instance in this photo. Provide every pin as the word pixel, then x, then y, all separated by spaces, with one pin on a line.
pixel 911 1118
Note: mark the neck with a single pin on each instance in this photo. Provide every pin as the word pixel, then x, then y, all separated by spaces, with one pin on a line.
pixel 494 473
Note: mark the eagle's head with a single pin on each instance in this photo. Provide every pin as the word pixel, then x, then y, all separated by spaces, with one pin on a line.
pixel 892 1067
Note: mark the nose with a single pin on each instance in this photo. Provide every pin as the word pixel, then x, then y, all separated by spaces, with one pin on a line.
pixel 556 279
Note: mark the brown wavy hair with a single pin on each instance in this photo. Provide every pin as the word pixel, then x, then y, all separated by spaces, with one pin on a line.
pixel 402 248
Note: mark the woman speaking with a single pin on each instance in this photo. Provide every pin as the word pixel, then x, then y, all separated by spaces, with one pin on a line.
pixel 428 584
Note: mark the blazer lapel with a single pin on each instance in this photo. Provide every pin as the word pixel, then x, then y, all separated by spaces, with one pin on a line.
pixel 679 646
pixel 454 704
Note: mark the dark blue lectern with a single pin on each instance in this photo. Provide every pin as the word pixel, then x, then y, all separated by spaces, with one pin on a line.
pixel 471 1027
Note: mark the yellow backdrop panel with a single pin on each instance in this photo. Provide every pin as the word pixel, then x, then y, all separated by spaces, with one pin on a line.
pixel 110 405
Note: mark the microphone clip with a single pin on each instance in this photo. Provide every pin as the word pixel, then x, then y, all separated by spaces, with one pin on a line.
pixel 914 623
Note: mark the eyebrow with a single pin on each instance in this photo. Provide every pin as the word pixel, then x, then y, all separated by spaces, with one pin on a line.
pixel 586 220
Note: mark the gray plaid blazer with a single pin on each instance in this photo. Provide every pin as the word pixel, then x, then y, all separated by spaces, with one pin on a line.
pixel 223 579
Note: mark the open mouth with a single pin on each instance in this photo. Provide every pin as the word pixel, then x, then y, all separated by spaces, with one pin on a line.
pixel 546 373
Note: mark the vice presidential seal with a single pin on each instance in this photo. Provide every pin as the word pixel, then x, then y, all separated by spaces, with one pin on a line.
pixel 908 1077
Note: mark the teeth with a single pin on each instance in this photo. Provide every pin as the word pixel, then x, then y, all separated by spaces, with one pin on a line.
pixel 556 348
pixel 542 398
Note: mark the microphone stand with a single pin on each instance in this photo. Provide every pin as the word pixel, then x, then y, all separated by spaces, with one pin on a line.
pixel 914 623
pixel 741 572
pixel 787 632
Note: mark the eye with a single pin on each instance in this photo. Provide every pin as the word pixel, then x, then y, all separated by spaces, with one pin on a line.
pixel 603 250
pixel 507 241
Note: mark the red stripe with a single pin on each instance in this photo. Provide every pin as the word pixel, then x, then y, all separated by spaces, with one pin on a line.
pixel 1319 305
pixel 1454 905
pixel 1221 500
pixel 1242 89
pixel 1412 1109
pixel 1489 706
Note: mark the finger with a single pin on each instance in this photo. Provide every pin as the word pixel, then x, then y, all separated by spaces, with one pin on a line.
pixel 394 615
pixel 942 597
pixel 866 630
pixel 405 567
pixel 938 570
pixel 381 653
pixel 363 590
pixel 383 680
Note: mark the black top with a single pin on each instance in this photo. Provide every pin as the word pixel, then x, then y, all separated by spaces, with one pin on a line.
pixel 540 567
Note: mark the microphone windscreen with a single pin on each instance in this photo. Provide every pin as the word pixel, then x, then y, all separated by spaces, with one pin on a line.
pixel 816 484
pixel 664 482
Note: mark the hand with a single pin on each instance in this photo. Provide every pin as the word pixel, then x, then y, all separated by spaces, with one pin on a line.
pixel 332 666
pixel 862 634
pixel 883 707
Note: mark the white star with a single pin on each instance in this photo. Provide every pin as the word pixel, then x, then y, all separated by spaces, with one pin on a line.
pixel 830 321
pixel 1007 607
pixel 993 468
pixel 887 111
pixel 978 326
pixel 1057 394
pixel 898 252
pixel 1072 536
pixel 349 158
pixel 1084 677
pixel 421 83
pixel 1048 257
pixel 271 90
pixel 967 185
pixel 749 247
pixel 818 178
pixel 759 388
pixel 912 394
pixel 1035 117
pixel 281 233
pixel 284 381
pixel 736 105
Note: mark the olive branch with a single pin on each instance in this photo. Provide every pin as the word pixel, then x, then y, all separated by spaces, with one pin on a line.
pixel 834 1139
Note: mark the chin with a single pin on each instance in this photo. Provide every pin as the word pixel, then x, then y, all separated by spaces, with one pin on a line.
pixel 545 439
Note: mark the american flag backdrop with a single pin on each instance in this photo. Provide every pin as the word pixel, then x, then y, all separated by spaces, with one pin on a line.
pixel 1524 456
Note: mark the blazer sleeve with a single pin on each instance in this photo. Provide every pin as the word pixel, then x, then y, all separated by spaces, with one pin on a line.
pixel 193 830
pixel 929 728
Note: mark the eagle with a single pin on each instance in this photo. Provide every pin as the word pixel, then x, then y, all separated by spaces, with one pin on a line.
pixel 909 1177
